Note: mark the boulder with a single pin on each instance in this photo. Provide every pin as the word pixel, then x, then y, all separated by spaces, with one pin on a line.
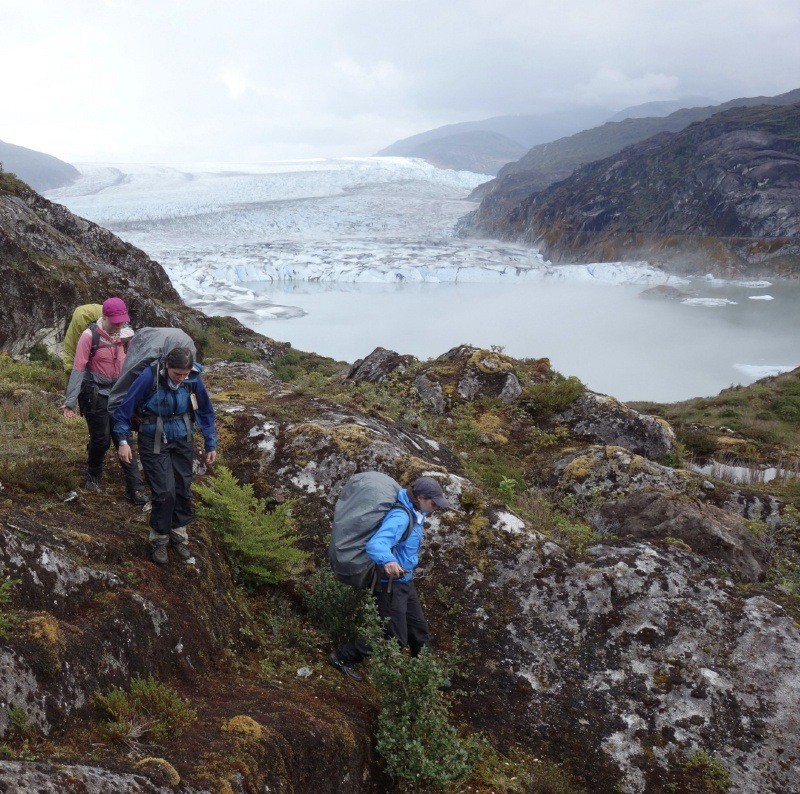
pixel 609 471
pixel 605 420
pixel 378 365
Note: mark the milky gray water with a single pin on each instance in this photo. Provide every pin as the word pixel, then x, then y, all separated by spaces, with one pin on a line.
pixel 614 340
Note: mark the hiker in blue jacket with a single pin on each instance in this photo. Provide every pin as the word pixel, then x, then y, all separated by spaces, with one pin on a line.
pixel 396 594
pixel 168 398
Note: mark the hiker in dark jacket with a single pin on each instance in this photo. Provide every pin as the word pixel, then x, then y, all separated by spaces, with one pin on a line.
pixel 396 594
pixel 97 362
pixel 168 398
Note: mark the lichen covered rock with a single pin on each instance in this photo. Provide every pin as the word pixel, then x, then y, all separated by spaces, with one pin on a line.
pixel 607 421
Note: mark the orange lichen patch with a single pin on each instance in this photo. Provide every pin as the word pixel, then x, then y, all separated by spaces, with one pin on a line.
pixel 490 362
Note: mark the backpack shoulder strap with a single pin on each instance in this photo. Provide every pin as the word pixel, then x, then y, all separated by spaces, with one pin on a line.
pixel 95 340
pixel 412 519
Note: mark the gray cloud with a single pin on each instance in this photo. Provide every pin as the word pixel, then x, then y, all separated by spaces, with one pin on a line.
pixel 201 79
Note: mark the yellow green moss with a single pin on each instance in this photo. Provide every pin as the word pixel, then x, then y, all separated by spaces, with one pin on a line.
pixel 44 632
pixel 491 426
pixel 243 725
pixel 490 362
pixel 159 771
pixel 579 468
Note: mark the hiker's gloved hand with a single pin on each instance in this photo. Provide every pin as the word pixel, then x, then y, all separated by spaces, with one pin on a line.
pixel 393 569
pixel 68 412
pixel 211 457
pixel 125 454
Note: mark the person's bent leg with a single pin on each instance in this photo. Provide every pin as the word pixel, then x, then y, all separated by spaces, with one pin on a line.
pixel 99 441
pixel 134 485
pixel 182 460
pixel 392 606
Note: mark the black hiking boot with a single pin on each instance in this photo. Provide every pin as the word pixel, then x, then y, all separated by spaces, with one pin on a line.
pixel 92 484
pixel 344 668
pixel 182 551
pixel 138 498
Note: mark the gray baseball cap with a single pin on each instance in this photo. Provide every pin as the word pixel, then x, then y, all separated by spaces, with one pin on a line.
pixel 430 489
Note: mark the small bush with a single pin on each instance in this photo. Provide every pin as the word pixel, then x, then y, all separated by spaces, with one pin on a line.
pixel 552 396
pixel 149 710
pixel 333 607
pixel 415 739
pixel 703 773
pixel 41 355
pixel 260 541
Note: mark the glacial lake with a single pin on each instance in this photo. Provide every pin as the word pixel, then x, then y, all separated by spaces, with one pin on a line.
pixel 608 335
pixel 341 256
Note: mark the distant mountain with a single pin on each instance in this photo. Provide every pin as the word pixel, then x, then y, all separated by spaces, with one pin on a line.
pixel 722 195
pixel 41 171
pixel 479 151
pixel 552 162
pixel 663 108
pixel 526 131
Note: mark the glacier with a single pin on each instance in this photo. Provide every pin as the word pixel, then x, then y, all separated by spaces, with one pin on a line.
pixel 355 220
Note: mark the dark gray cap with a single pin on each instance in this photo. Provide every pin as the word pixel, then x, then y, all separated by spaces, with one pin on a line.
pixel 430 489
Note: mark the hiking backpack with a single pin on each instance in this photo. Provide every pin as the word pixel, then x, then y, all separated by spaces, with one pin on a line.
pixel 147 346
pixel 80 321
pixel 360 509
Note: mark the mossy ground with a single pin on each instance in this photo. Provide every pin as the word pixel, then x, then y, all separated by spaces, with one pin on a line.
pixel 311 727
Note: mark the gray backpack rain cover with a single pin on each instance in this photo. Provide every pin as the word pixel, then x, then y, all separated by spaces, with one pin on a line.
pixel 359 511
pixel 147 345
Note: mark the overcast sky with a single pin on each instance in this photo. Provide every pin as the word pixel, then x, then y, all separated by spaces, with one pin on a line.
pixel 247 80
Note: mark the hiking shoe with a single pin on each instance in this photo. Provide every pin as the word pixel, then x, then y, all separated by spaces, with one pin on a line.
pixel 138 498
pixel 344 668
pixel 158 551
pixel 182 551
pixel 92 484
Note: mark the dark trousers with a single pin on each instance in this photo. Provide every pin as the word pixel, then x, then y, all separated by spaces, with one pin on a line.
pixel 95 411
pixel 169 475
pixel 406 622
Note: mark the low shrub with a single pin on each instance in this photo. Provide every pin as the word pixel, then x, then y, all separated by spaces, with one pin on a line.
pixel 333 607
pixel 418 744
pixel 260 542
pixel 149 710
pixel 552 396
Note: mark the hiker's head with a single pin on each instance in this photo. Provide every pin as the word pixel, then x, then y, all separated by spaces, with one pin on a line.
pixel 178 363
pixel 115 315
pixel 427 494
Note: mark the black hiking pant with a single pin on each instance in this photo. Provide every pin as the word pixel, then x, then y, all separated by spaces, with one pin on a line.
pixel 94 408
pixel 169 475
pixel 406 622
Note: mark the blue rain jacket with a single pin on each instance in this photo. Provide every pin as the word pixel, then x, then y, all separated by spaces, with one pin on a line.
pixel 169 404
pixel 385 545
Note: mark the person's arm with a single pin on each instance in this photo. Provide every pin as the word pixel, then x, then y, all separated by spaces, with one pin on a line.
pixel 136 395
pixel 380 545
pixel 205 418
pixel 78 373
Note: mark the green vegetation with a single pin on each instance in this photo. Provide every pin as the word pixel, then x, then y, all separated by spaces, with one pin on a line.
pixel 261 542
pixel 149 710
pixel 552 396
pixel 556 521
pixel 218 340
pixel 6 620
pixel 333 607
pixel 415 739
pixel 294 364
pixel 766 413
pixel 701 773
pixel 35 475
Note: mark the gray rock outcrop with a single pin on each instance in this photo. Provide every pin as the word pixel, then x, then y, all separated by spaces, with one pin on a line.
pixel 603 419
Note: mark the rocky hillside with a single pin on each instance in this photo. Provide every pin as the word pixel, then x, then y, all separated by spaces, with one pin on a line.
pixel 52 261
pixel 723 194
pixel 41 171
pixel 554 161
pixel 614 619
